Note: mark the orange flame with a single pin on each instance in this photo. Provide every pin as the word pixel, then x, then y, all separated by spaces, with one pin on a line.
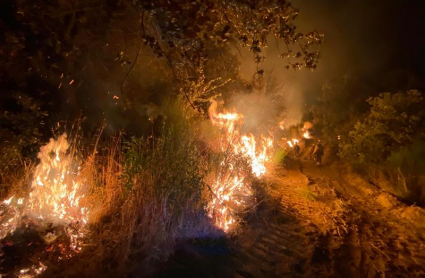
pixel 56 188
pixel 292 142
pixel 55 196
pixel 33 271
pixel 232 192
pixel 306 135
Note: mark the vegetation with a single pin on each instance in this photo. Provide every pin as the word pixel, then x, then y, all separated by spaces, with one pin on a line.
pixel 153 188
pixel 60 49
pixel 394 122
pixel 381 136
pixel 148 70
pixel 143 193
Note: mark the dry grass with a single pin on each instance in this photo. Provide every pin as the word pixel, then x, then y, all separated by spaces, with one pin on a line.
pixel 143 194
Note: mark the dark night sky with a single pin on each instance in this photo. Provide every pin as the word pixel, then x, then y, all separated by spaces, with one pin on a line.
pixel 368 35
pixel 372 40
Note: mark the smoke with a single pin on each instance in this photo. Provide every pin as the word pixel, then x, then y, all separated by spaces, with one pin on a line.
pixel 258 110
pixel 377 41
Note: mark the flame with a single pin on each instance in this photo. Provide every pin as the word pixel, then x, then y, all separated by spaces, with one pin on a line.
pixel 56 188
pixel 281 124
pixel 10 216
pixel 33 271
pixel 231 189
pixel 306 135
pixel 7 201
pixel 55 195
pixel 292 142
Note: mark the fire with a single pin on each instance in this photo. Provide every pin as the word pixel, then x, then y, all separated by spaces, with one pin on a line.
pixel 56 188
pixel 232 191
pixel 33 271
pixel 281 124
pixel 10 214
pixel 292 142
pixel 306 127
pixel 55 195
pixel 258 158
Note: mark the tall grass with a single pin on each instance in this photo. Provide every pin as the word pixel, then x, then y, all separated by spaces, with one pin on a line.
pixel 143 194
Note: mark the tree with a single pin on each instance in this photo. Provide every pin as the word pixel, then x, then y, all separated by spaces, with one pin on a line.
pixel 341 103
pixel 185 32
pixel 66 48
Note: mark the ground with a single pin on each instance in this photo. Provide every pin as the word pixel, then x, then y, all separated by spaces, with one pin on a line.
pixel 316 222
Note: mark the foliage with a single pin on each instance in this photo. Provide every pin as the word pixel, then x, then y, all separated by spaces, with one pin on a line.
pixel 70 45
pixel 141 193
pixel 410 159
pixel 174 155
pixel 280 156
pixel 188 27
pixel 395 121
pixel 340 105
pixel 21 123
pixel 186 32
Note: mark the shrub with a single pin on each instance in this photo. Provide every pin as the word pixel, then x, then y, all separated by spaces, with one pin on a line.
pixel 395 121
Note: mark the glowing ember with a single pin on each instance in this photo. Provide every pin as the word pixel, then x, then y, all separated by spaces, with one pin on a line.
pixel 232 192
pixel 33 271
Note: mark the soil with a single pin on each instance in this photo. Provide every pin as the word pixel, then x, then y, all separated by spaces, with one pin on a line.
pixel 317 221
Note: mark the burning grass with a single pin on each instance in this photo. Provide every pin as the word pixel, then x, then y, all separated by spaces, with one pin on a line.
pixel 110 206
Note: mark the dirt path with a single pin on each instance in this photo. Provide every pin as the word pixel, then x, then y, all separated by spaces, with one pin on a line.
pixel 318 222
pixel 359 230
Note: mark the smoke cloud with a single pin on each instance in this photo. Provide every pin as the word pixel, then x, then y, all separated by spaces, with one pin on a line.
pixel 378 41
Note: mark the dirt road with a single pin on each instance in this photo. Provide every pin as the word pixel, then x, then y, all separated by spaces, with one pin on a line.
pixel 318 222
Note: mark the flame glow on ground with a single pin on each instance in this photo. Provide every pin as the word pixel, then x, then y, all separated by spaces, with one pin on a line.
pixel 231 189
